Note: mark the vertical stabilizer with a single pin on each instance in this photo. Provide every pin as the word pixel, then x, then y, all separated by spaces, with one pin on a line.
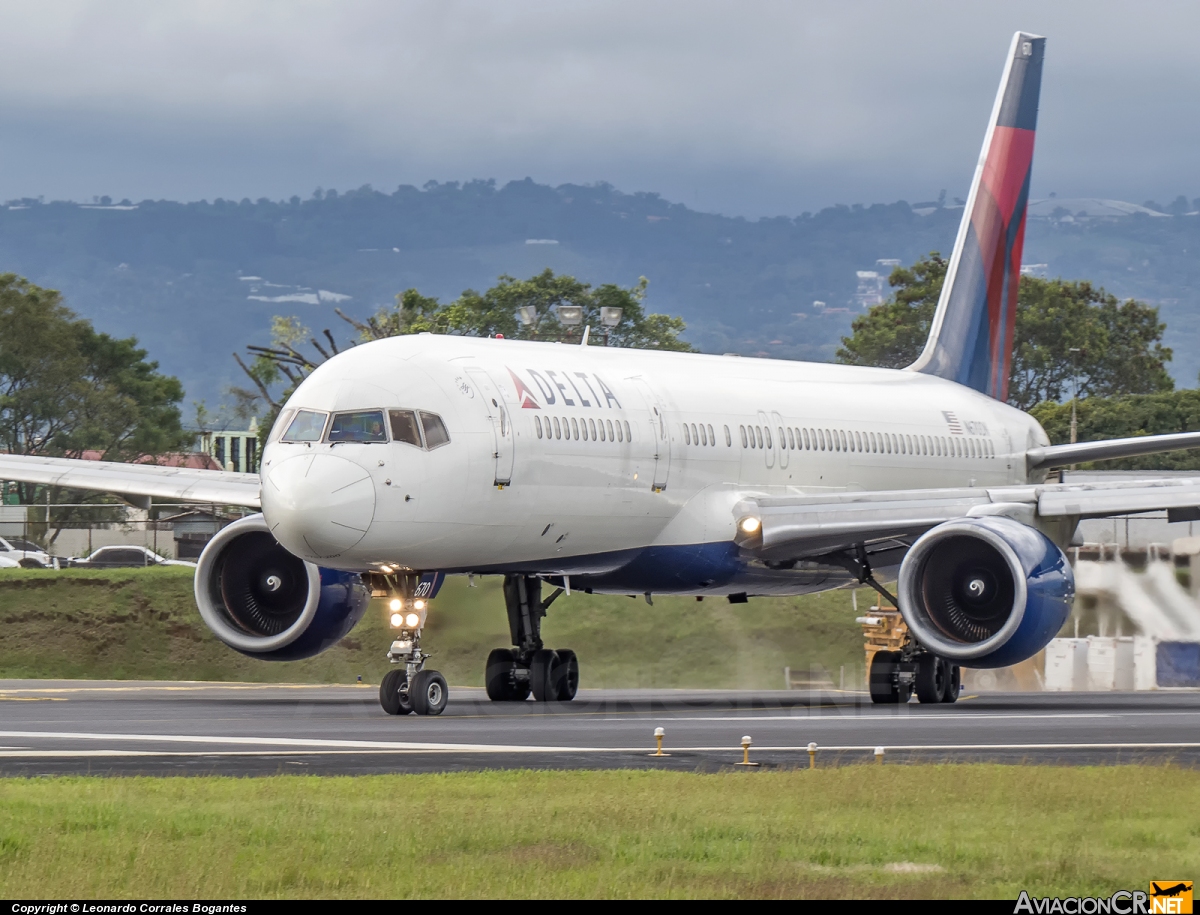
pixel 971 338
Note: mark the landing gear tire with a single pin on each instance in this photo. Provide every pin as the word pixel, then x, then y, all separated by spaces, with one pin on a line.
pixel 502 684
pixel 428 693
pixel 544 674
pixel 567 675
pixel 885 685
pixel 932 676
pixel 392 695
pixel 953 682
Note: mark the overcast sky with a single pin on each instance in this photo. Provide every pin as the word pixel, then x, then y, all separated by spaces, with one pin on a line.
pixel 754 108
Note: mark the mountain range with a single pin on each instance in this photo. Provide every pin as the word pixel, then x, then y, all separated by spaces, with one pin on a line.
pixel 196 281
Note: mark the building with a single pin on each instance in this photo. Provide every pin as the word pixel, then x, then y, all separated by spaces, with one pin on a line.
pixel 872 284
pixel 232 449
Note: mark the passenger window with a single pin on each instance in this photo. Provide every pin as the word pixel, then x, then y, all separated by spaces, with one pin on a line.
pixel 842 437
pixel 712 436
pixel 728 438
pixel 405 429
pixel 791 439
pixel 608 425
pixel 574 429
pixel 703 435
pixel 687 436
pixel 758 435
pixel 592 428
pixel 537 424
pixel 767 437
pixel 742 429
pixel 628 432
pixel 306 427
pixel 782 439
pixel 435 430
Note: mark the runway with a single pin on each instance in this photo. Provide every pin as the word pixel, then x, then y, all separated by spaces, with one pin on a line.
pixel 160 728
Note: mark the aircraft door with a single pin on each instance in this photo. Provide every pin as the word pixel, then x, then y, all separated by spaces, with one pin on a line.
pixel 769 435
pixel 660 435
pixel 780 435
pixel 501 420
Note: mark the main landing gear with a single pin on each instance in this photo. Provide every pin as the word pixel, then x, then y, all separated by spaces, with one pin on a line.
pixel 410 688
pixel 514 673
pixel 895 675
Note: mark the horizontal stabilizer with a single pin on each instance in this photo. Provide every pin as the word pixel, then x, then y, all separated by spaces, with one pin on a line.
pixel 1081 452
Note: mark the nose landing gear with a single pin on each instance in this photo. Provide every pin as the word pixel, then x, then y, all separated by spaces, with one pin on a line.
pixel 411 688
pixel 514 673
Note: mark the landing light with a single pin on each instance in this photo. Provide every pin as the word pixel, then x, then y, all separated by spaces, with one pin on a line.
pixel 418 604
pixel 395 605
pixel 412 620
pixel 750 525
pixel 397 620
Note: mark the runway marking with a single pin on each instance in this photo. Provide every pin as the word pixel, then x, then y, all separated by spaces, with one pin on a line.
pixel 636 751
pixel 349 747
pixel 855 719
pixel 33 699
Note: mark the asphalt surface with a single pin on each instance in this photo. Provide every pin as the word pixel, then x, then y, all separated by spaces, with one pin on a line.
pixel 159 728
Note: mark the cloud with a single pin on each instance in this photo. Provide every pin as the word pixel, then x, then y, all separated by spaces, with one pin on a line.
pixel 751 107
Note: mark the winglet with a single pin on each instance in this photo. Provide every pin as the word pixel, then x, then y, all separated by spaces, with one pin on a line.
pixel 971 338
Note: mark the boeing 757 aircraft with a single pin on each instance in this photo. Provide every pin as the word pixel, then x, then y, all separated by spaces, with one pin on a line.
pixel 621 471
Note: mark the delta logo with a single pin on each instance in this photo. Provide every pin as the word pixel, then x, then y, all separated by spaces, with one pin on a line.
pixel 570 389
pixel 1170 897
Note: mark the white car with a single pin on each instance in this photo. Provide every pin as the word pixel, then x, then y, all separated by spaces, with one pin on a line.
pixel 6 563
pixel 24 553
pixel 125 557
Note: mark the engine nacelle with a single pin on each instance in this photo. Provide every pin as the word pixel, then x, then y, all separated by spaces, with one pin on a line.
pixel 985 592
pixel 261 600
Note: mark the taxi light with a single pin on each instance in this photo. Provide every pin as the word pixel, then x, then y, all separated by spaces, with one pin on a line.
pixel 750 525
pixel 412 621
pixel 396 604
pixel 418 604
pixel 397 620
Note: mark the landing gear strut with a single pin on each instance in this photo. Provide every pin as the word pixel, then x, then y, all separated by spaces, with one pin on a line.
pixel 514 673
pixel 411 688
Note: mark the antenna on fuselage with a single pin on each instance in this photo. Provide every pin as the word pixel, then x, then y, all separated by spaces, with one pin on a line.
pixel 587 332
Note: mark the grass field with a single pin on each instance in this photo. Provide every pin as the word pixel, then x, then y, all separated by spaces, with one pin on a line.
pixel 143 624
pixel 894 832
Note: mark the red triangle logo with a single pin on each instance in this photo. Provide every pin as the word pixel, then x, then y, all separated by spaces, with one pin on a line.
pixel 528 402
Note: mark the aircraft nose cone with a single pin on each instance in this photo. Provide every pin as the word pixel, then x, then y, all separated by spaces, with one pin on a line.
pixel 318 505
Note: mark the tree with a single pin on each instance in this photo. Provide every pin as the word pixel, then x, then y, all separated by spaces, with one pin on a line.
pixel 1067 334
pixel 66 389
pixel 519 309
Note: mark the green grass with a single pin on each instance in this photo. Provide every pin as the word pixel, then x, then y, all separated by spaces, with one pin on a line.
pixel 894 832
pixel 143 624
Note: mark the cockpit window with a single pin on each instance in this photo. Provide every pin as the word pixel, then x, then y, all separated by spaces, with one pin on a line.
pixel 306 427
pixel 281 423
pixel 404 427
pixel 435 430
pixel 364 426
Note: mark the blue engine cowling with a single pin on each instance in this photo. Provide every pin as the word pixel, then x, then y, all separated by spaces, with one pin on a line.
pixel 985 592
pixel 261 600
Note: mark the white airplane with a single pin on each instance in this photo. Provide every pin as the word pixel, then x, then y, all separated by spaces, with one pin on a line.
pixel 637 472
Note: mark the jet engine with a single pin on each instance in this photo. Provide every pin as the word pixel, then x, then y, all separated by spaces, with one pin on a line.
pixel 261 600
pixel 985 592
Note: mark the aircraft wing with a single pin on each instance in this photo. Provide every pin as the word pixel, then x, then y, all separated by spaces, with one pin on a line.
pixel 135 482
pixel 792 527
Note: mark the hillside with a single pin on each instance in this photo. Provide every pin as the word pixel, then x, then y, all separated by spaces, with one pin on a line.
pixel 195 281
pixel 143 624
